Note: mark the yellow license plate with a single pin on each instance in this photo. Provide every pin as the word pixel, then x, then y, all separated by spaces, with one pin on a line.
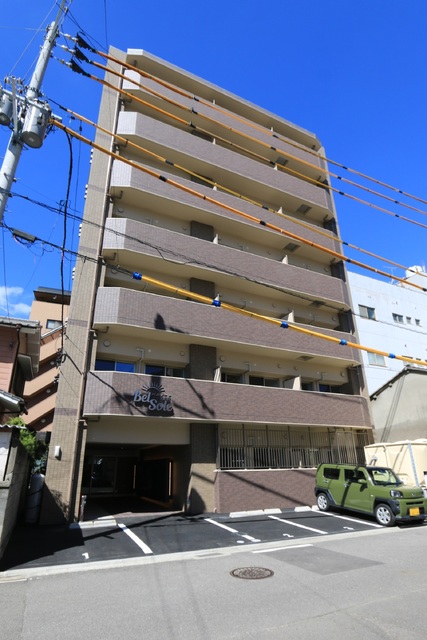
pixel 414 511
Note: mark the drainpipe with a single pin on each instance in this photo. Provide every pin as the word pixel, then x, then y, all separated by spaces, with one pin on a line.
pixel 414 468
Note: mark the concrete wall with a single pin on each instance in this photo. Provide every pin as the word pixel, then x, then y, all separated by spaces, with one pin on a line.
pixel 13 490
pixel 399 411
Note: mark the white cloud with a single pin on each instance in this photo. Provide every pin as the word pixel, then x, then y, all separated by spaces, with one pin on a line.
pixel 11 302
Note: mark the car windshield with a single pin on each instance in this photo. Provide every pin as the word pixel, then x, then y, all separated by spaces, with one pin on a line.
pixel 384 476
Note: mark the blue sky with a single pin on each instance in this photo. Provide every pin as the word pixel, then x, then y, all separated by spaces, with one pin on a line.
pixel 351 71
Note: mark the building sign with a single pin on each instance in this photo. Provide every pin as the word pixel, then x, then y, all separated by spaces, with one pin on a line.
pixel 154 398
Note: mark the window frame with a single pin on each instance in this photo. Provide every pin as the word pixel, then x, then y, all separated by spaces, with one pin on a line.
pixel 367 312
pixel 119 366
pixel 376 356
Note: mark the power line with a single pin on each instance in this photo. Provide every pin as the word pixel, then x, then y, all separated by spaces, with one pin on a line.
pixel 217 108
pixel 215 302
pixel 305 225
pixel 315 229
pixel 247 216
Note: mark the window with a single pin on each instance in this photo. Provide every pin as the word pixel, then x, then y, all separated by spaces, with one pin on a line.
pixel 349 475
pixel 408 320
pixel 53 324
pixel 367 312
pixel 264 382
pixel 320 386
pixel 376 358
pixel 418 322
pixel 331 473
pixel 398 318
pixel 162 370
pixel 112 365
pixel 307 386
pixel 329 388
pixel 236 378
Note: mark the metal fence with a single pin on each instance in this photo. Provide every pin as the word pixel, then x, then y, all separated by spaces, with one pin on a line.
pixel 247 448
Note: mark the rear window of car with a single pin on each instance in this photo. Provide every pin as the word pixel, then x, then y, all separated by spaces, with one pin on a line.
pixel 331 473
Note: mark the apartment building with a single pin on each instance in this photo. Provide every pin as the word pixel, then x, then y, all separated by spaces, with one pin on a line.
pixel 19 361
pixel 50 309
pixel 206 360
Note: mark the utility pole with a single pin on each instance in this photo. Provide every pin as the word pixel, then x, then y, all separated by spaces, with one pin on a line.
pixel 29 114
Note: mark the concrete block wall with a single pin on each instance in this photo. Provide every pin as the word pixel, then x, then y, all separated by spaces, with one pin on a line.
pixel 13 490
pixel 264 489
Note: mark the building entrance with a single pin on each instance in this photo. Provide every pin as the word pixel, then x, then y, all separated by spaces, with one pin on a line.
pixel 133 479
pixel 109 475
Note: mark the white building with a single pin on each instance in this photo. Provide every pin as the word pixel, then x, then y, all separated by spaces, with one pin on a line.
pixel 392 318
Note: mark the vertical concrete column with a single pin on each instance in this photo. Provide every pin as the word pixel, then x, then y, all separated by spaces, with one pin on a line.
pixel 203 445
pixel 202 362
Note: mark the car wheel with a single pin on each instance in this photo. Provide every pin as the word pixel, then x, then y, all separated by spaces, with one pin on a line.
pixel 384 515
pixel 323 502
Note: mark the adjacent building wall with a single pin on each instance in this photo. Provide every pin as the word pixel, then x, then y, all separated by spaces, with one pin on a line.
pixel 397 323
pixel 399 408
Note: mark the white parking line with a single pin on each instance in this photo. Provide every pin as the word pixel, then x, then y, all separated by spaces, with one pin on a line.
pixel 335 515
pixel 301 526
pixel 146 549
pixel 224 526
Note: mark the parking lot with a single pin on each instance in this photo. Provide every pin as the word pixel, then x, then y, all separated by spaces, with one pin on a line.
pixel 113 538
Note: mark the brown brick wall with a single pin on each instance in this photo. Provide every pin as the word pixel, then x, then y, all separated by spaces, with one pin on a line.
pixel 202 362
pixel 146 128
pixel 263 270
pixel 125 306
pixel 202 231
pixel 238 124
pixel 111 393
pixel 264 489
pixel 203 453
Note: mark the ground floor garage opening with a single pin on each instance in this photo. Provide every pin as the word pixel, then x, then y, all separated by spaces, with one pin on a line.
pixel 133 479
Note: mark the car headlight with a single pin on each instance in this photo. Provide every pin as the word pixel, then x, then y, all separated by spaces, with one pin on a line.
pixel 396 494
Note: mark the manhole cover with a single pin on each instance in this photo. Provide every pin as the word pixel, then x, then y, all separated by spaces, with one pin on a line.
pixel 252 573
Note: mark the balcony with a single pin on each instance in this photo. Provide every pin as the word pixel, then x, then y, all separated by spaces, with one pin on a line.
pixel 229 169
pixel 212 93
pixel 199 258
pixel 40 382
pixel 135 395
pixel 128 185
pixel 39 406
pixel 137 313
pixel 223 123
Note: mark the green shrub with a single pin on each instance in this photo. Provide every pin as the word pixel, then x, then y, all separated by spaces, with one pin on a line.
pixel 37 449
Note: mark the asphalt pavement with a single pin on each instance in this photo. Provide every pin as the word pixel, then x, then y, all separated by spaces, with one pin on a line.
pixel 127 535
pixel 369 584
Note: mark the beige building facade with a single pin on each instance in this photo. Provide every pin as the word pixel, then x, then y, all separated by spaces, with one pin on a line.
pixel 196 196
pixel 19 361
pixel 50 309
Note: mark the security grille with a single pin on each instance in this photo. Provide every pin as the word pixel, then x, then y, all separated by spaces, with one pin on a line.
pixel 246 448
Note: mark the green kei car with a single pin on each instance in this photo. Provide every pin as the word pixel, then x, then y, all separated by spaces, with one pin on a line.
pixel 372 490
